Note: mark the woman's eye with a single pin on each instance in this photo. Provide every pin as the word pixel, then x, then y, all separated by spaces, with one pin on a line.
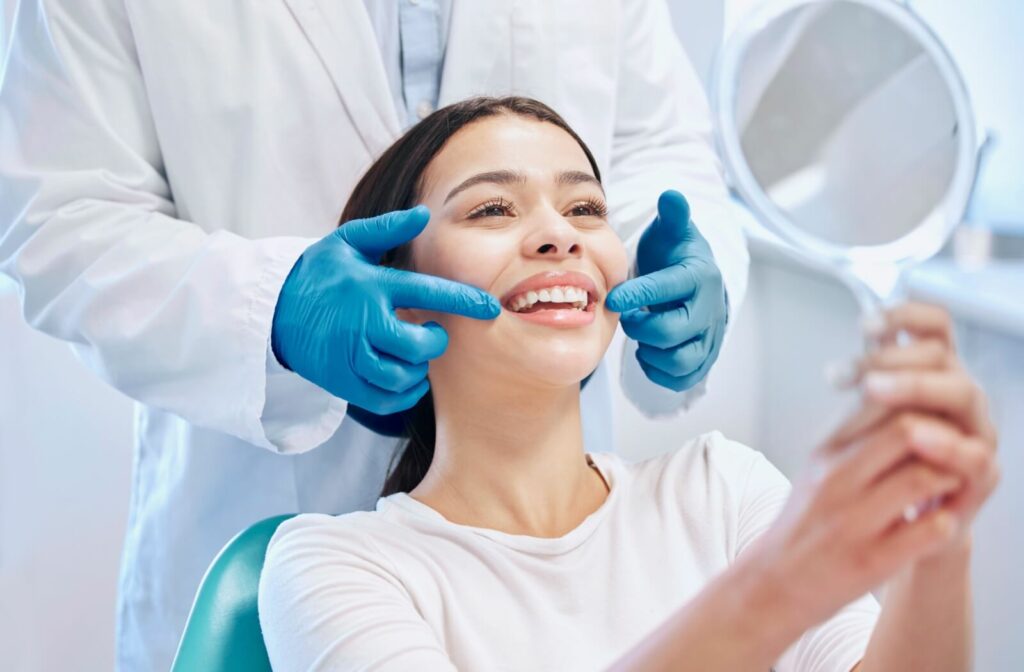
pixel 494 209
pixel 588 209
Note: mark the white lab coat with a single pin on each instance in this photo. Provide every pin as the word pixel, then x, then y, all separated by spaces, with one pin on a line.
pixel 163 165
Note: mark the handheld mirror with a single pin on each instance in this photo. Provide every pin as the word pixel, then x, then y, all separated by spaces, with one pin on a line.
pixel 846 127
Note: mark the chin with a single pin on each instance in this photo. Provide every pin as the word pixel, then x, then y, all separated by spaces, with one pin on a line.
pixel 552 357
pixel 560 371
pixel 559 362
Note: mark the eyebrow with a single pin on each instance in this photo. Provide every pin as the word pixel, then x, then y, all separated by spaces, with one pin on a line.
pixel 566 177
pixel 577 177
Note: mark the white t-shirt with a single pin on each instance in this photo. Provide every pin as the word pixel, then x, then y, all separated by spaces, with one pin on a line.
pixel 401 588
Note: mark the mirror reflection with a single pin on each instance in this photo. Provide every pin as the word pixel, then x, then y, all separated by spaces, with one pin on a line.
pixel 846 123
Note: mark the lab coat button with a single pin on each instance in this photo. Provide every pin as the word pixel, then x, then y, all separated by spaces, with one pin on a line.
pixel 424 109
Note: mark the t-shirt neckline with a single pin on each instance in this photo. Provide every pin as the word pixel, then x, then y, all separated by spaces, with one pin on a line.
pixel 572 539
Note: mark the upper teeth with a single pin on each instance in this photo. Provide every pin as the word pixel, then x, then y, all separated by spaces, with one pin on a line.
pixel 563 294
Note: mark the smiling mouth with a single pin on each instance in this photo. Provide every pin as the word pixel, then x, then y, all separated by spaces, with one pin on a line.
pixel 559 297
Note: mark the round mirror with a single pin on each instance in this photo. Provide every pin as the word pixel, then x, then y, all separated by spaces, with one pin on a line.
pixel 845 125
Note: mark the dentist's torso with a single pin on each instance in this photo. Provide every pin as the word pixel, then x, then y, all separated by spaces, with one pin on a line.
pixel 267 113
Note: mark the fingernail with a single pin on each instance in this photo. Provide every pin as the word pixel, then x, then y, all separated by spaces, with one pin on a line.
pixel 873 324
pixel 880 385
pixel 841 374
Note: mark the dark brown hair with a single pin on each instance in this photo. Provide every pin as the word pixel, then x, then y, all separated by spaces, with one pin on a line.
pixel 394 182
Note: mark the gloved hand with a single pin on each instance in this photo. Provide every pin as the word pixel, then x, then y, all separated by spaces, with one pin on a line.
pixel 335 324
pixel 681 333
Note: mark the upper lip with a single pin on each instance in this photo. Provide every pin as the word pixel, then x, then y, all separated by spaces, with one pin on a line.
pixel 546 279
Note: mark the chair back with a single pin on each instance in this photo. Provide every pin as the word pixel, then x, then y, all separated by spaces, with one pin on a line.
pixel 223 633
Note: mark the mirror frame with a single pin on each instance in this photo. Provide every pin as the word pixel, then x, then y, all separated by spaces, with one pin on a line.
pixel 928 236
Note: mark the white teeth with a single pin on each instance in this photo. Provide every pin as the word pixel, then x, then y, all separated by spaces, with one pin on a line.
pixel 577 296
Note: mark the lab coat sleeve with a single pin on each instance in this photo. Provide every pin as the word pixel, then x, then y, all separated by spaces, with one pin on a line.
pixel 663 140
pixel 328 600
pixel 171 315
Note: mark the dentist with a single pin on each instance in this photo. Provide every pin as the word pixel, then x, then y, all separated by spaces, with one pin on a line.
pixel 171 175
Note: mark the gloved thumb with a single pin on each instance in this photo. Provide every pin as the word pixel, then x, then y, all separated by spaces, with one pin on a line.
pixel 672 225
pixel 374 236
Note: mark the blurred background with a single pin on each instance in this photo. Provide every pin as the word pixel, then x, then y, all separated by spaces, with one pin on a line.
pixel 65 438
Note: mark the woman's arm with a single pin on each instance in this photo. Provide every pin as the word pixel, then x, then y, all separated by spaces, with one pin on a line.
pixel 926 622
pixel 740 621
pixel 828 547
pixel 922 435
pixel 926 619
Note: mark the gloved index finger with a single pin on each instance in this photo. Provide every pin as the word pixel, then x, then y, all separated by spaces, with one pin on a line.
pixel 675 283
pixel 428 292
pixel 374 236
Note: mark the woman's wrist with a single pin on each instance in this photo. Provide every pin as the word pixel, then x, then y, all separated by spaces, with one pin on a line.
pixel 769 610
pixel 926 618
pixel 955 557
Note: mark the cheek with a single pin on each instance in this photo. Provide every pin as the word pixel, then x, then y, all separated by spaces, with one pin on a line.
pixel 460 255
pixel 613 261
pixel 468 257
pixel 611 258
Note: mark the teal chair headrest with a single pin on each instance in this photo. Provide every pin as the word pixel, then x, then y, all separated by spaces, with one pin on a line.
pixel 223 630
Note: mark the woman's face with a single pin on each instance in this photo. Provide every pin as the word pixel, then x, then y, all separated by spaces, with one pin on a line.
pixel 516 210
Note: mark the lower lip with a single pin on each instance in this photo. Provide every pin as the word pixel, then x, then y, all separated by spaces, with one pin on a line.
pixel 565 318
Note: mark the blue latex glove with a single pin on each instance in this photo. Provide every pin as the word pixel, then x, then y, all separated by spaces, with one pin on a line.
pixel 335 323
pixel 681 332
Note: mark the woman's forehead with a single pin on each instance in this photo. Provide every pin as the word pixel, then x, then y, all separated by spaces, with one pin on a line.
pixel 536 149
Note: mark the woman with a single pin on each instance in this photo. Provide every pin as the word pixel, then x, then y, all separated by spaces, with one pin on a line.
pixel 500 543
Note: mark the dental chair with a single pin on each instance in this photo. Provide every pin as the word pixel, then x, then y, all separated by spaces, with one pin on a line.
pixel 223 633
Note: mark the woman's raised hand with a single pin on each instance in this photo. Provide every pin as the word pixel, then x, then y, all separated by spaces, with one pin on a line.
pixel 922 435
pixel 926 376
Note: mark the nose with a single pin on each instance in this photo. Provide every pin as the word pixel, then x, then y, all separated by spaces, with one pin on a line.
pixel 553 238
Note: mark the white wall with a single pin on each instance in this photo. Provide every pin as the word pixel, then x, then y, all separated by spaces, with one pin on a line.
pixel 65 464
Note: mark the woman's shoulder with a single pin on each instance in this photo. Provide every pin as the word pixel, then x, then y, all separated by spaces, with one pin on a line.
pixel 357 535
pixel 704 463
pixel 313 524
